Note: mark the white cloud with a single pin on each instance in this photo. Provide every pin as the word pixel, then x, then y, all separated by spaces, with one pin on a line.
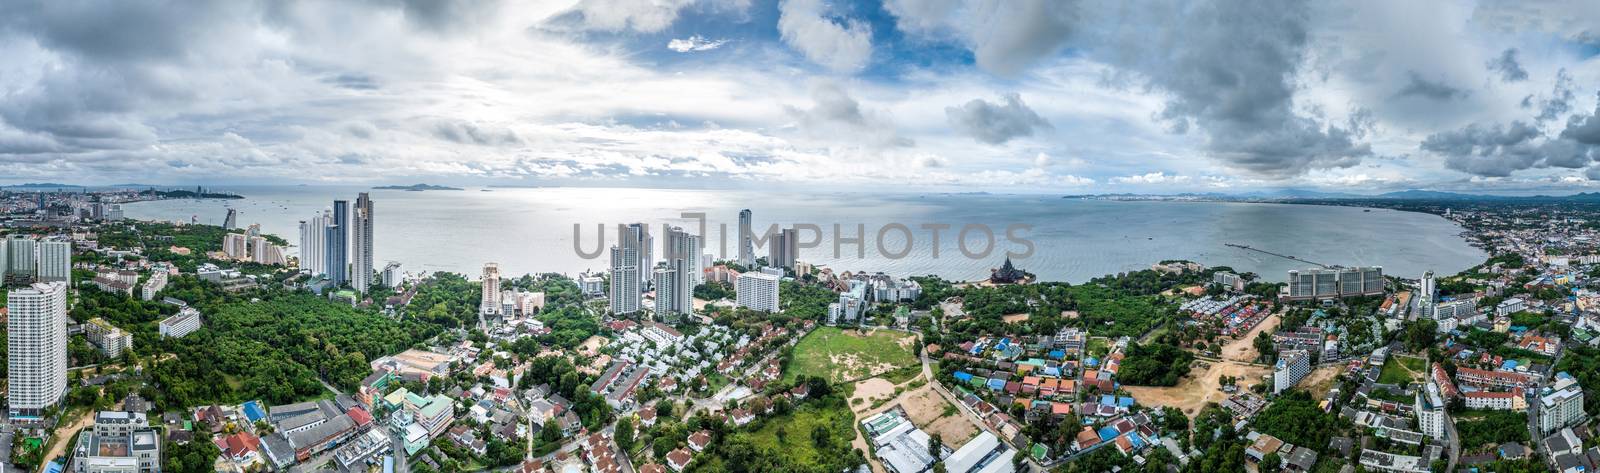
pixel 844 46
pixel 695 43
pixel 1151 178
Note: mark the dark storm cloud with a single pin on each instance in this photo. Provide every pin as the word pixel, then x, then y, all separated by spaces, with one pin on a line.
pixel 1229 67
pixel 1560 101
pixel 354 81
pixel 995 123
pixel 1417 86
pixel 472 134
pixel 1499 151
pixel 1507 65
pixel 1584 129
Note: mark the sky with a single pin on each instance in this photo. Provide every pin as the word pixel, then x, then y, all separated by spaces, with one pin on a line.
pixel 1047 96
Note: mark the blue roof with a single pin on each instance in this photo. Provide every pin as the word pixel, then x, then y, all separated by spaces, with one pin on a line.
pixel 1509 365
pixel 1120 401
pixel 1107 433
pixel 1138 442
pixel 1092 361
pixel 53 467
pixel 253 411
pixel 963 376
pixel 1052 371
pixel 997 384
pixel 1058 354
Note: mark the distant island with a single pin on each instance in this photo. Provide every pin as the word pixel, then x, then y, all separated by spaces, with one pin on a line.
pixel 40 185
pixel 418 188
pixel 187 194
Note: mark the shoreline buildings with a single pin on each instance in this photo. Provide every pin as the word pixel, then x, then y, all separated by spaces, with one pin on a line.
pixel 674 281
pixel 1334 283
pixel 313 243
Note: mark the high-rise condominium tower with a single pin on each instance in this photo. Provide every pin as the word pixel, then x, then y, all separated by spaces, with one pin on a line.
pixel 37 348
pixel 338 245
pixel 361 244
pixel 489 303
pixel 747 249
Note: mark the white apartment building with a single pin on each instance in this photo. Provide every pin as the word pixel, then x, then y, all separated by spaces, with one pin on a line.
pixel 1430 411
pixel 624 280
pixel 758 291
pixel 1562 406
pixel 392 277
pixel 153 286
pixel 186 321
pixel 111 339
pixel 1496 400
pixel 490 303
pixel 1292 366
pixel 55 261
pixel 37 348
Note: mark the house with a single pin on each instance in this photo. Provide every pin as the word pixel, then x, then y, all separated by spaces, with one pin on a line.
pixel 647 416
pixel 240 447
pixel 698 441
pixel 678 459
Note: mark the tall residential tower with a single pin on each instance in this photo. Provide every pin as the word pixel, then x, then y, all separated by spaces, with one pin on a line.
pixel 37 348
pixel 361 244
pixel 337 243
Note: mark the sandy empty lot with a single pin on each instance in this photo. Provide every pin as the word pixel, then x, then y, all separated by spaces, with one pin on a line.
pixel 1320 381
pixel 1243 349
pixel 1199 387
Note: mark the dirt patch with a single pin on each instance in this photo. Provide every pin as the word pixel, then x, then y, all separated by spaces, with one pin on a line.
pixel 853 364
pixel 1196 390
pixel 1321 380
pixel 1243 348
pixel 927 409
pixel 63 434
pixel 1014 318
pixel 871 390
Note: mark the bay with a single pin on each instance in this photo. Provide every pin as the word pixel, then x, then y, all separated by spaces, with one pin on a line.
pixel 529 230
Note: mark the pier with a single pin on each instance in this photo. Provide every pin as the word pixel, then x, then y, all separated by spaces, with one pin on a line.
pixel 1280 255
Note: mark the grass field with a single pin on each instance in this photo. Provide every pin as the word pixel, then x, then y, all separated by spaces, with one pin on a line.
pixel 1400 370
pixel 840 355
pixel 796 441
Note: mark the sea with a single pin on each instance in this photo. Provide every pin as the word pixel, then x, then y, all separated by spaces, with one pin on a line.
pixel 956 236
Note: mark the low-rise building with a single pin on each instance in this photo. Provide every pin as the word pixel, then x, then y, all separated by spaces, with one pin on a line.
pixel 120 442
pixel 185 322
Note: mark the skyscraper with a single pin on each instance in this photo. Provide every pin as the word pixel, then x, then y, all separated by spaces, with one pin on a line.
pixel 313 242
pixel 338 245
pixel 361 244
pixel 782 248
pixel 231 221
pixel 625 271
pixel 747 249
pixel 236 246
pixel 21 258
pixel 489 303
pixel 638 235
pixel 55 261
pixel 758 290
pixel 673 282
pixel 37 348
